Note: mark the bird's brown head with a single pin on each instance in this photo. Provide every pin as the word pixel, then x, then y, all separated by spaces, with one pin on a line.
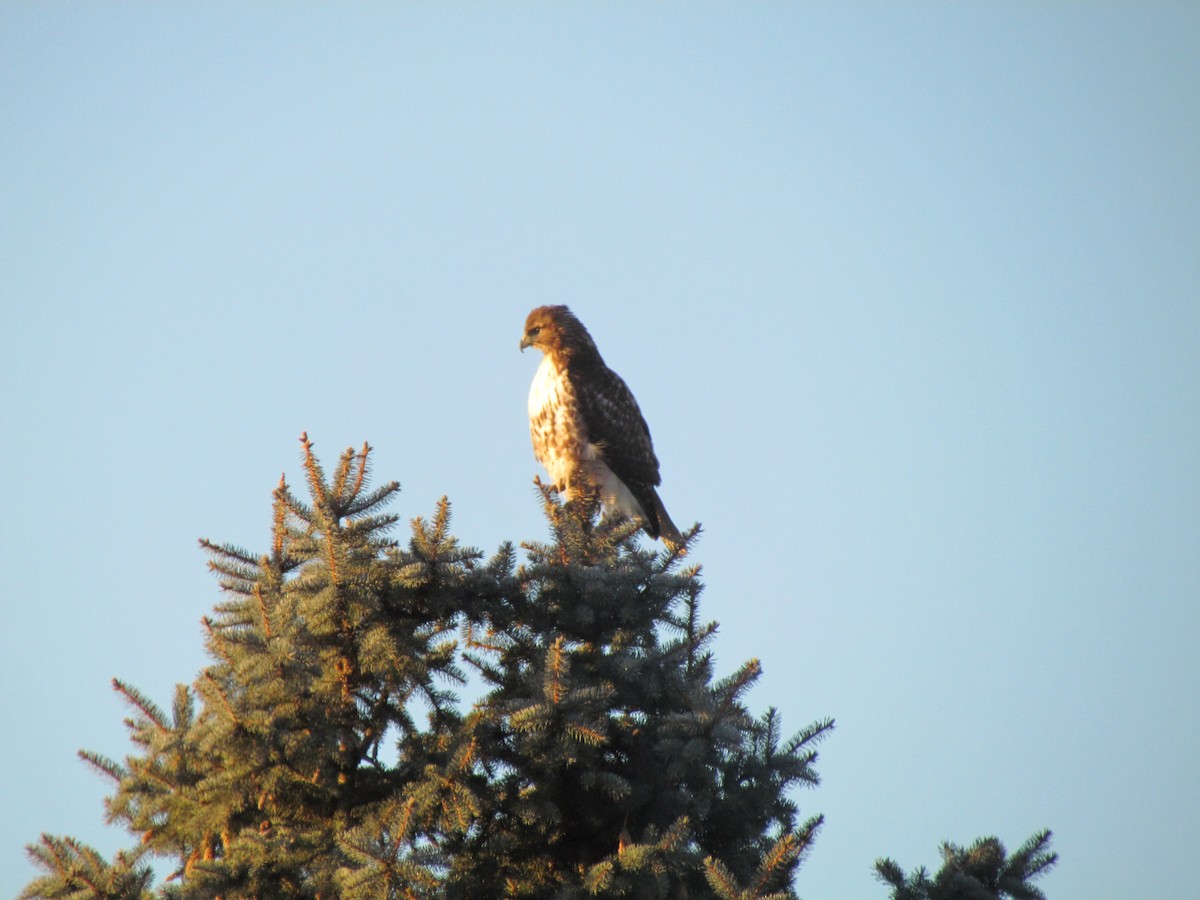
pixel 556 332
pixel 545 328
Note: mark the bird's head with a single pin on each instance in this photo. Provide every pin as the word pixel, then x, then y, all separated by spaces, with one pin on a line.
pixel 544 328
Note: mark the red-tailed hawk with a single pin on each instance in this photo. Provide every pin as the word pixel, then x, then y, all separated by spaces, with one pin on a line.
pixel 586 427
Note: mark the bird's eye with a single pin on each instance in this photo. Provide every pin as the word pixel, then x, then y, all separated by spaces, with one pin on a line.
pixel 535 330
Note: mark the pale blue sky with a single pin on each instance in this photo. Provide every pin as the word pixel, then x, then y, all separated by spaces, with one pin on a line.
pixel 909 294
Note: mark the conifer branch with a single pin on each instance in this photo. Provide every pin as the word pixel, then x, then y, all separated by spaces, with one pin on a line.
pixel 220 693
pixel 720 879
pixel 104 765
pixel 784 850
pixel 362 469
pixel 279 511
pixel 216 642
pixel 312 468
pixel 264 617
pixel 152 769
pixel 143 704
pixel 231 552
pixel 599 712
pixel 557 670
pixel 342 474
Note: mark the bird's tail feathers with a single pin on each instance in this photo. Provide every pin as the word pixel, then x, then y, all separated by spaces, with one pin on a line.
pixel 666 528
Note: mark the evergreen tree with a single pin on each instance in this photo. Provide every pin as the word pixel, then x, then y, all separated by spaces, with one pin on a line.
pixel 324 752
pixel 983 871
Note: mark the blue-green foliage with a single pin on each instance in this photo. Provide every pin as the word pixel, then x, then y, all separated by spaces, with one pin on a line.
pixel 325 752
pixel 983 871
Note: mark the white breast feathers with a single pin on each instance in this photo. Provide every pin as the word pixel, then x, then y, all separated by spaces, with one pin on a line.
pixel 544 388
pixel 554 425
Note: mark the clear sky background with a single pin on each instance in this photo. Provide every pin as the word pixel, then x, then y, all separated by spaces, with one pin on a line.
pixel 908 293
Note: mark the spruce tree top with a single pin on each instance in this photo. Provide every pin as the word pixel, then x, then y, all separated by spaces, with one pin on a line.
pixel 326 751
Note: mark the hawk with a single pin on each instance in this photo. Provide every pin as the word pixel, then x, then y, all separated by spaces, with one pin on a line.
pixel 586 427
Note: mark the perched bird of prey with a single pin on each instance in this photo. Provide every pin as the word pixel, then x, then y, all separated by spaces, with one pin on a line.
pixel 586 427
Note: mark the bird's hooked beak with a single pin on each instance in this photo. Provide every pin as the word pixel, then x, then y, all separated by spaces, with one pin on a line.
pixel 526 341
